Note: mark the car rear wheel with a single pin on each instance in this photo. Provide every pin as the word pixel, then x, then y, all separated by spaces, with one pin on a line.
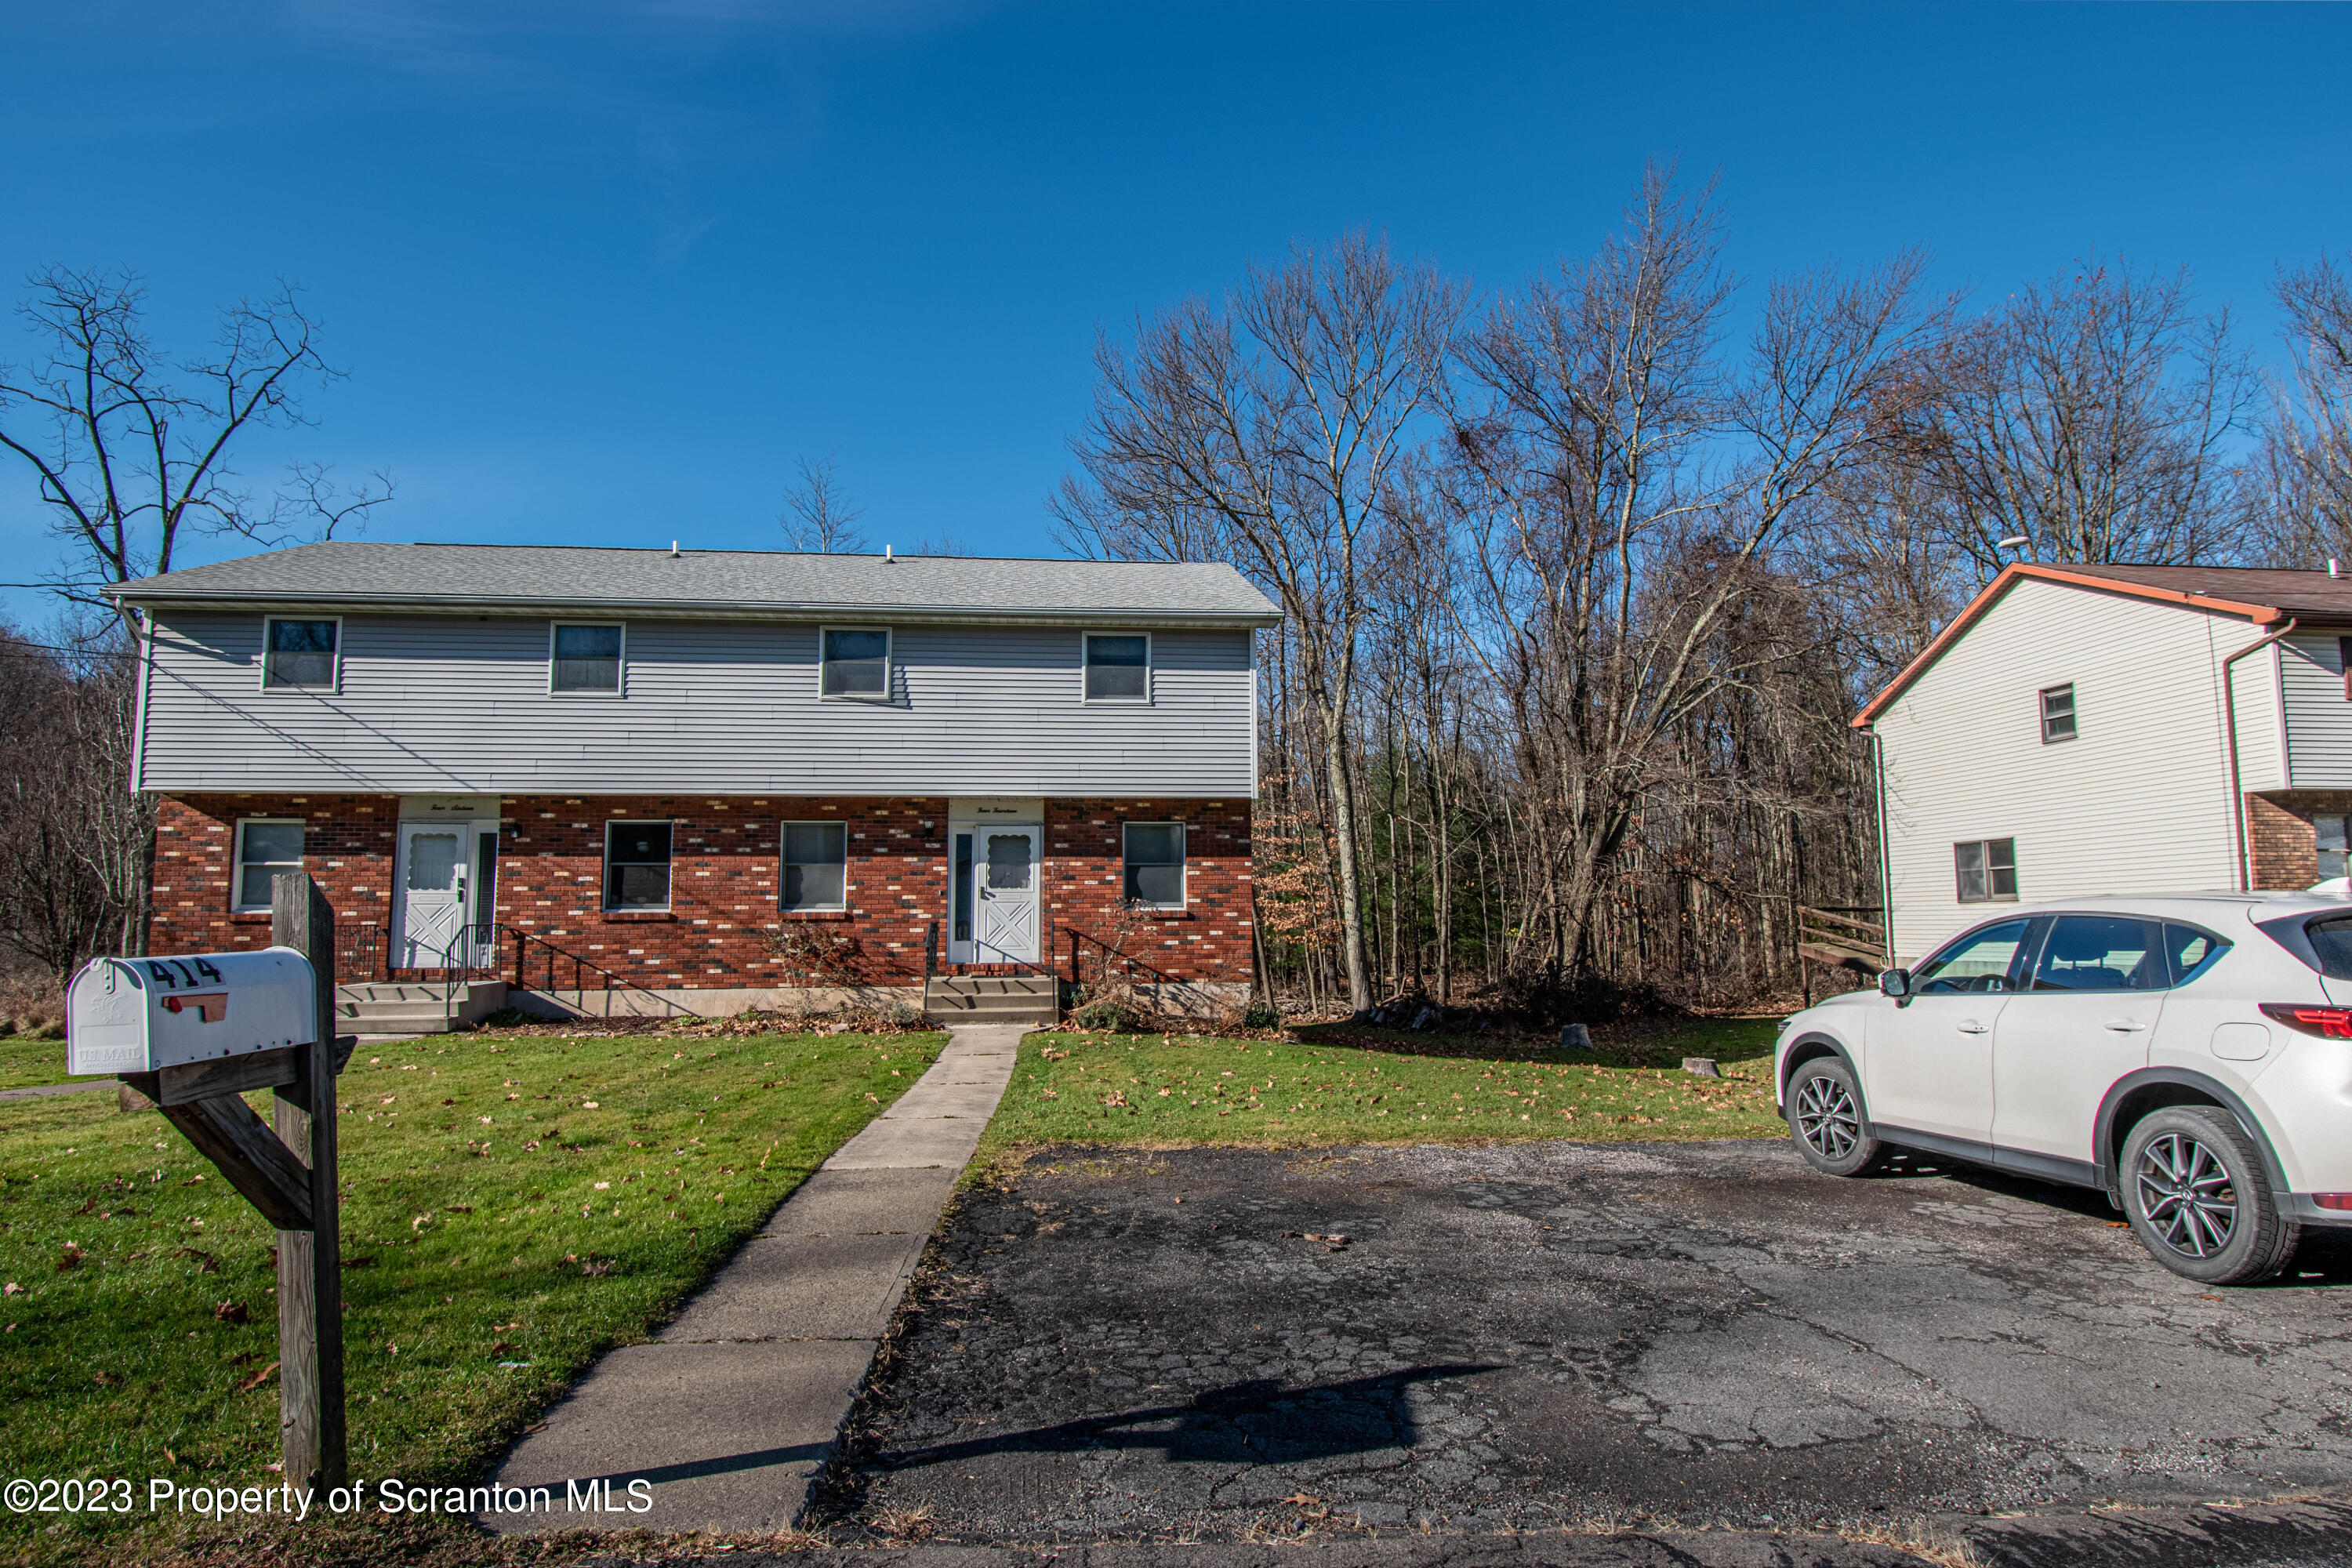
pixel 2199 1199
pixel 1825 1119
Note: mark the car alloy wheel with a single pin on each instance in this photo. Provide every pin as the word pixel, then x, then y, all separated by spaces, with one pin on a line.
pixel 2200 1198
pixel 2188 1193
pixel 1827 1118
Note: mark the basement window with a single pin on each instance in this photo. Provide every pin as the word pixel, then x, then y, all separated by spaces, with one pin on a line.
pixel 636 866
pixel 264 848
pixel 2057 713
pixel 817 866
pixel 1986 869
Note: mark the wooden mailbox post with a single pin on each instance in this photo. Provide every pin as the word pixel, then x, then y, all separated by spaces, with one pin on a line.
pixel 286 1167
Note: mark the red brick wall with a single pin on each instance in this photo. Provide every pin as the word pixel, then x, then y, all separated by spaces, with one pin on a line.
pixel 722 882
pixel 1086 876
pixel 2281 845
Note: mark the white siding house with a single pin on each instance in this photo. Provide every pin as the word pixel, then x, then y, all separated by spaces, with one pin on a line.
pixel 2114 728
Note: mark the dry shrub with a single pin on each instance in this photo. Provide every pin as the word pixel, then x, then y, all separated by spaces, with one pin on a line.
pixel 31 1004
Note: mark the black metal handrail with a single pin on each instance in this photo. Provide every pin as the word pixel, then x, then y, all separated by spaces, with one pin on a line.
pixel 1077 974
pixel 579 965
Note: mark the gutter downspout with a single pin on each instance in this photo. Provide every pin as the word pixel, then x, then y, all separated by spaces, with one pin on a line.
pixel 2230 726
pixel 1886 871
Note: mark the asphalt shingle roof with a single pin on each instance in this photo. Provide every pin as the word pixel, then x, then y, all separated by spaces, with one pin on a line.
pixel 707 582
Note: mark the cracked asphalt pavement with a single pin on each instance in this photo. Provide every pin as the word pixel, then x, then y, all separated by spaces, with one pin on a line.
pixel 1596 1336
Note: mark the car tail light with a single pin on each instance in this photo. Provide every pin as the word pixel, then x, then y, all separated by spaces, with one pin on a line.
pixel 2327 1022
pixel 2333 1200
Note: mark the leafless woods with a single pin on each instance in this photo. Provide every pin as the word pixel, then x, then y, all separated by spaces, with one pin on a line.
pixel 1583 580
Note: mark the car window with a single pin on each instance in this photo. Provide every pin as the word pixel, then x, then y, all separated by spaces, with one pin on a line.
pixel 2102 953
pixel 2332 941
pixel 2191 951
pixel 1985 959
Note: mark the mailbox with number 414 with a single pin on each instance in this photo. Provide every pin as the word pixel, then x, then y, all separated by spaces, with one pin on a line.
pixel 143 1015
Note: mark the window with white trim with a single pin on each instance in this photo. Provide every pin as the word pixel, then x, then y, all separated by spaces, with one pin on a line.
pixel 1119 668
pixel 264 847
pixel 585 658
pixel 855 663
pixel 1155 865
pixel 817 866
pixel 636 866
pixel 299 655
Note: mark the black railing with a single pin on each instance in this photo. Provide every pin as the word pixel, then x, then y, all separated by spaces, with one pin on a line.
pixel 480 951
pixel 1111 960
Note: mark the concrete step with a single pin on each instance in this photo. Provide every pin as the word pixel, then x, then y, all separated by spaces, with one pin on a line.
pixel 994 998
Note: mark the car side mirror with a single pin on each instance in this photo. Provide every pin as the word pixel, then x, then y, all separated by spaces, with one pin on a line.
pixel 1894 983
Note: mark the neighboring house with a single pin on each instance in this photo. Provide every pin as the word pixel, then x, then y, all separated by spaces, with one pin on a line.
pixel 717 775
pixel 2084 729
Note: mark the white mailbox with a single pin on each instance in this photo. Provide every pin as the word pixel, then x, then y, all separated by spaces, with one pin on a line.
pixel 142 1014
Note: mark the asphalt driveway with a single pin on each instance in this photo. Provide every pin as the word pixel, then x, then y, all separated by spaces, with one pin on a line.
pixel 1541 1335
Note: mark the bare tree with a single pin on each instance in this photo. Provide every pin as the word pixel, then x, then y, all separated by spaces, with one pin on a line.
pixel 128 452
pixel 67 821
pixel 817 517
pixel 2303 478
pixel 1621 492
pixel 1265 428
pixel 2091 415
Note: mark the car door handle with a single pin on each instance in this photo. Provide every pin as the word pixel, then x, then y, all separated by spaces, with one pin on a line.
pixel 1970 1027
pixel 2126 1025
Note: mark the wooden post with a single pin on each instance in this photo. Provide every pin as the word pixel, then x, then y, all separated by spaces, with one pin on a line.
pixel 309 1262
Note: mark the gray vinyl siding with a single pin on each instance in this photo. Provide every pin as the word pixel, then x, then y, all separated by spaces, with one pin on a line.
pixel 460 705
pixel 2318 717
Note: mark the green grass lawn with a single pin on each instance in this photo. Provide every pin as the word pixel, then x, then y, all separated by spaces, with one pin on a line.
pixel 1348 1085
pixel 513 1205
pixel 25 1062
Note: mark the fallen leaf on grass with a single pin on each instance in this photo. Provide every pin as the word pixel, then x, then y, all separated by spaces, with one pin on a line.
pixel 232 1312
pixel 104 1378
pixel 247 1386
pixel 12 1289
pixel 69 1258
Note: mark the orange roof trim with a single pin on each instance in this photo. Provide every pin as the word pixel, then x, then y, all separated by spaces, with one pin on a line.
pixel 2074 578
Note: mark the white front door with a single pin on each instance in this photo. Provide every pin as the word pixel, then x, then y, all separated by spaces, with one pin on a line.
pixel 1004 894
pixel 432 917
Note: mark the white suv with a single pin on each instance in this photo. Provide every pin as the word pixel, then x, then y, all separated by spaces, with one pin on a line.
pixel 2190 1055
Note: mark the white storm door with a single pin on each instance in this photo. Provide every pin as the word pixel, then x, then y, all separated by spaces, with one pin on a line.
pixel 1004 895
pixel 432 894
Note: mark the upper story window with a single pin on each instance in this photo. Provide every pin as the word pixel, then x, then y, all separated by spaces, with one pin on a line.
pixel 264 848
pixel 1119 668
pixel 1155 865
pixel 636 865
pixel 856 664
pixel 1986 869
pixel 817 866
pixel 2334 844
pixel 585 658
pixel 2057 713
pixel 299 656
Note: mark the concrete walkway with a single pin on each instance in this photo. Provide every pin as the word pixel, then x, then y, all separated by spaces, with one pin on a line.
pixel 42 1091
pixel 733 1410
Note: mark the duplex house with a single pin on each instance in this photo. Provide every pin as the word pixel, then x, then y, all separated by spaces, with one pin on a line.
pixel 2083 730
pixel 717 776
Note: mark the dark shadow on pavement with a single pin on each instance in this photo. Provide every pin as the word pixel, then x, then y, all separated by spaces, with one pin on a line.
pixel 1255 1423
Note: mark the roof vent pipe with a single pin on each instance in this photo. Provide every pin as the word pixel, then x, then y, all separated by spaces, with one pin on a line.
pixel 2331 567
pixel 887 556
pixel 673 547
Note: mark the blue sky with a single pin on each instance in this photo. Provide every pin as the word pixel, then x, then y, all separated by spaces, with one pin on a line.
pixel 600 271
